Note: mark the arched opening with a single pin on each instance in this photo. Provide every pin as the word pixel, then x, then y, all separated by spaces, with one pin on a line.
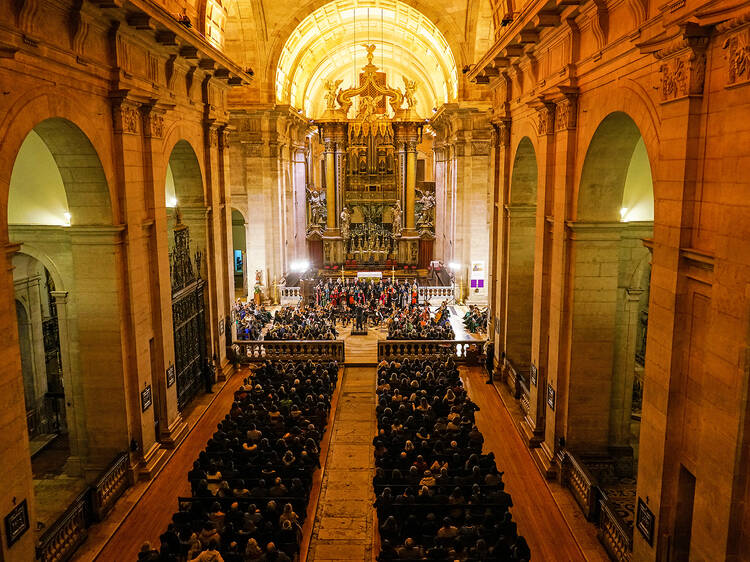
pixel 611 276
pixel 239 253
pixel 521 220
pixel 67 303
pixel 326 46
pixel 187 234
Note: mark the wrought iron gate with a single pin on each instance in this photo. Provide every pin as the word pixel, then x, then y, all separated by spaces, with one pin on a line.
pixel 188 316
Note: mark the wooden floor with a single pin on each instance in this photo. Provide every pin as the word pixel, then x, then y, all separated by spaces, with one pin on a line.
pixel 344 486
pixel 535 509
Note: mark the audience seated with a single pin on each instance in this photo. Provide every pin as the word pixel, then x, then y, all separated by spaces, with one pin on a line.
pixel 250 485
pixel 250 320
pixel 438 496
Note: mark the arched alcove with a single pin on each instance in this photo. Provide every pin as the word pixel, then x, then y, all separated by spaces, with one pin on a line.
pixel 610 286
pixel 521 224
pixel 68 268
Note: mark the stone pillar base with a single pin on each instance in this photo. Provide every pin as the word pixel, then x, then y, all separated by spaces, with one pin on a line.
pixel 545 461
pixel 533 437
pixel 152 461
pixel 174 433
pixel 227 370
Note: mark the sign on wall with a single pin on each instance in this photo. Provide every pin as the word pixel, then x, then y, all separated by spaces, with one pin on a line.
pixel 645 521
pixel 533 374
pixel 550 397
pixel 146 398
pixel 16 523
pixel 171 376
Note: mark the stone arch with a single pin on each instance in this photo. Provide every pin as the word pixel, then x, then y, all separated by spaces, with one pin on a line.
pixel 609 265
pixel 450 29
pixel 605 168
pixel 84 133
pixel 524 174
pixel 83 259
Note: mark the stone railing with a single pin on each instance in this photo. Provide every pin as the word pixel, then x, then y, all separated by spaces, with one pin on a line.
pixel 461 350
pixel 576 477
pixel 110 486
pixel 438 294
pixel 290 295
pixel 317 350
pixel 612 534
pixel 64 536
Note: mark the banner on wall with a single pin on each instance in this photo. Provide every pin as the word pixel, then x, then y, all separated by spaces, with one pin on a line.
pixel 477 275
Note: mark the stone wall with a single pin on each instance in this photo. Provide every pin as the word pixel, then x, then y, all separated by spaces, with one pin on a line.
pixel 675 72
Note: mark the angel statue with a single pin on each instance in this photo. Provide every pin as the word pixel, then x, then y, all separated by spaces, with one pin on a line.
pixel 370 52
pixel 396 224
pixel 346 218
pixel 410 86
pixel 332 88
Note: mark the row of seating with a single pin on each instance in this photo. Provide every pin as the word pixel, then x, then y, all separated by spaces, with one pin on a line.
pixel 438 496
pixel 251 484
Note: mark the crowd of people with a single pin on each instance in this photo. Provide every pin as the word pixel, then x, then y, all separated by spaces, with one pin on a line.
pixel 384 295
pixel 438 496
pixel 250 319
pixel 251 484
pixel 301 323
pixel 475 319
pixel 420 323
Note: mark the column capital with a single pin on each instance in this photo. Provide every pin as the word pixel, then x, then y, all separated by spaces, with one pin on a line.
pixel 61 297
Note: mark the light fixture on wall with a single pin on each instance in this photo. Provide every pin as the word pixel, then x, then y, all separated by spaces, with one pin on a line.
pixel 67 216
pixel 454 266
pixel 171 201
pixel 300 266
pixel 623 213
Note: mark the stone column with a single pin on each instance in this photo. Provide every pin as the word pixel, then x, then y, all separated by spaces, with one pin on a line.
pixel 411 182
pixel 330 156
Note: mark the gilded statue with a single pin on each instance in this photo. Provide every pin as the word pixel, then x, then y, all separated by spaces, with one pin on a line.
pixel 367 107
pixel 317 208
pixel 410 86
pixel 346 218
pixel 370 52
pixel 396 223
pixel 332 89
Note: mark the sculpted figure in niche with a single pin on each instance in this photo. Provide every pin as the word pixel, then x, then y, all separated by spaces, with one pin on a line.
pixel 332 88
pixel 346 218
pixel 410 86
pixel 396 225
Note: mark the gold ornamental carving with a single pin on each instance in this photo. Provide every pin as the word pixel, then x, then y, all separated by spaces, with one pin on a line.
pixel 546 123
pixel 126 118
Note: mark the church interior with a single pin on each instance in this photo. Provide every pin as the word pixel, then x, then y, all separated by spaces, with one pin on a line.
pixel 375 280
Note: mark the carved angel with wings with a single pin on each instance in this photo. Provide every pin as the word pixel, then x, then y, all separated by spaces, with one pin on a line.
pixel 410 86
pixel 370 52
pixel 332 88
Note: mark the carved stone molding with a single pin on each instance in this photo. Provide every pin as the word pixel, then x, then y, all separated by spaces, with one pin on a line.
pixel 213 137
pixel 546 119
pixel 79 30
pixel 224 138
pixel 480 148
pixel 566 113
pixel 126 117
pixel 737 47
pixel 411 146
pixel 502 130
pixel 26 12
pixel 683 56
pixel 153 122
pixel 330 146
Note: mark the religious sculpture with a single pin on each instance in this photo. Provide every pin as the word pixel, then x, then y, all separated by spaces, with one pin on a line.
pixel 410 86
pixel 317 208
pixel 426 202
pixel 370 52
pixel 346 218
pixel 396 224
pixel 332 89
pixel 367 108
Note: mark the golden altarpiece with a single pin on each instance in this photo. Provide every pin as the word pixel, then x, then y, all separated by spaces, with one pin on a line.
pixel 367 213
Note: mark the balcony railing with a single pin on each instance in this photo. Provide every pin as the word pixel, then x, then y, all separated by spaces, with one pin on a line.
pixel 290 295
pixel 461 350
pixel 582 485
pixel 438 294
pixel 612 534
pixel 317 350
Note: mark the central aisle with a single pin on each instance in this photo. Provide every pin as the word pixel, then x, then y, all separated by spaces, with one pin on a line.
pixel 344 520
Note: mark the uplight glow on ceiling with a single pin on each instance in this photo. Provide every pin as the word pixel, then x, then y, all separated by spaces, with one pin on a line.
pixel 327 45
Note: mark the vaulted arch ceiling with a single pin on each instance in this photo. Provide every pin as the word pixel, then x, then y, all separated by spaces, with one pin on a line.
pixel 327 45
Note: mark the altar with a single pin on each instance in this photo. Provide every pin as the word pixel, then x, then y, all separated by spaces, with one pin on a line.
pixel 368 212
